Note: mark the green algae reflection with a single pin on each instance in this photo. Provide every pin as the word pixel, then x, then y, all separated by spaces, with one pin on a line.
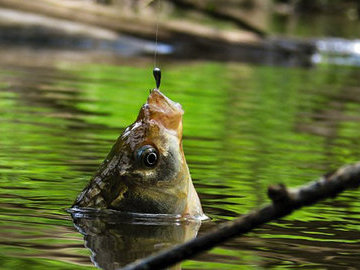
pixel 245 127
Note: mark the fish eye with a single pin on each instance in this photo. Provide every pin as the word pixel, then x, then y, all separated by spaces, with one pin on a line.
pixel 147 156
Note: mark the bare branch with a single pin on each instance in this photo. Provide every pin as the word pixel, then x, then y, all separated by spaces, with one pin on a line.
pixel 221 13
pixel 284 202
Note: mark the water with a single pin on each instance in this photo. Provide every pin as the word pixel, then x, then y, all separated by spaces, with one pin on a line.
pixel 245 127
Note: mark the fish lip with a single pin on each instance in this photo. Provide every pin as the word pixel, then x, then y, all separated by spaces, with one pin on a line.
pixel 161 111
pixel 158 99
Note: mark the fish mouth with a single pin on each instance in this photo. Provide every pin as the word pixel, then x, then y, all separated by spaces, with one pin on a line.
pixel 159 101
pixel 163 111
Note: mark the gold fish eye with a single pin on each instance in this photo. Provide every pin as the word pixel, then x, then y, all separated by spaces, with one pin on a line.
pixel 147 156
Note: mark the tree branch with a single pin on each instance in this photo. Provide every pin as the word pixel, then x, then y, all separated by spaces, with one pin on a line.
pixel 284 202
pixel 221 13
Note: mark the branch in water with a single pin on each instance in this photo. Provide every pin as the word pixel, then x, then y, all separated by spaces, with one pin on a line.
pixel 284 202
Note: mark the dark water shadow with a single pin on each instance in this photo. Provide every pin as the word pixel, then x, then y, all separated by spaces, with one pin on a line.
pixel 116 239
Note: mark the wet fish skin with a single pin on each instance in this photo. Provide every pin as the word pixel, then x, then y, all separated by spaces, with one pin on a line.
pixel 123 183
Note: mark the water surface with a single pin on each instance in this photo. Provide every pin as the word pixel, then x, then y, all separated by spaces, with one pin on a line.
pixel 245 127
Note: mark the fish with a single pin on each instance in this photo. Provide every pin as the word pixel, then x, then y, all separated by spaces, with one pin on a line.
pixel 146 170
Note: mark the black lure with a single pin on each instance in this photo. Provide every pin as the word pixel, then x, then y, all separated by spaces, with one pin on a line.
pixel 157 76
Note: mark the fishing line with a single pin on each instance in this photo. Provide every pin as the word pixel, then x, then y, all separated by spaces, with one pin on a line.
pixel 156 70
pixel 156 33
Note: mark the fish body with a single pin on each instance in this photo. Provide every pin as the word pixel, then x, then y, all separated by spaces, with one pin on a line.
pixel 146 170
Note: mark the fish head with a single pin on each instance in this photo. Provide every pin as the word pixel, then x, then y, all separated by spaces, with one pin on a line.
pixel 153 145
pixel 146 170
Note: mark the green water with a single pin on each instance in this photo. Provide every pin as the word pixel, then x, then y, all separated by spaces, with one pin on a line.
pixel 245 127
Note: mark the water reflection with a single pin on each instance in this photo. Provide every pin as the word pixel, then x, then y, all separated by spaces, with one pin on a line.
pixel 337 51
pixel 252 127
pixel 116 239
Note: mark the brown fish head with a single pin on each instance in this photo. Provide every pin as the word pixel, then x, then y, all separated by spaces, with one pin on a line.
pixel 146 170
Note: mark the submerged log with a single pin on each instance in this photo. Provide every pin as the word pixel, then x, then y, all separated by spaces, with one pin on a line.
pixel 284 202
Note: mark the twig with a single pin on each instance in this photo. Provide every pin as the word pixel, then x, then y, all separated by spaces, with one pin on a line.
pixel 284 202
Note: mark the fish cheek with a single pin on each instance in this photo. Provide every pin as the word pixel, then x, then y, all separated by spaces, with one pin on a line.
pixel 168 167
pixel 120 192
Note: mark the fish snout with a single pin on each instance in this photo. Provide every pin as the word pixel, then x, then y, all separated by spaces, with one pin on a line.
pixel 164 111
